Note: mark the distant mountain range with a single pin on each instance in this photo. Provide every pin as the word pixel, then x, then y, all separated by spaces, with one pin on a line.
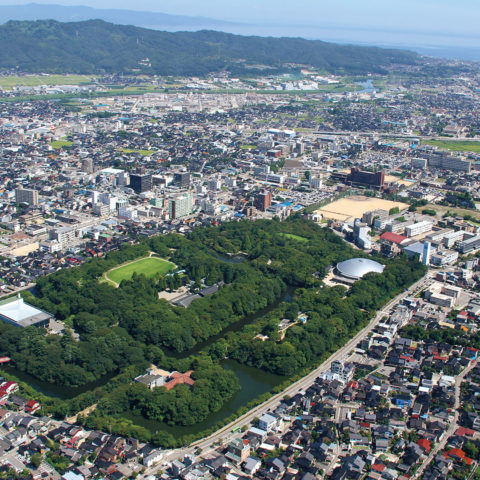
pixel 61 13
pixel 96 46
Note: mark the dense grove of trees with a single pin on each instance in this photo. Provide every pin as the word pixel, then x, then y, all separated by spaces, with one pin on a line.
pixel 181 405
pixel 125 329
pixel 96 46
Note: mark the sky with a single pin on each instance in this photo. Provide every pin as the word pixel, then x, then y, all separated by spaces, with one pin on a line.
pixel 452 16
pixel 405 23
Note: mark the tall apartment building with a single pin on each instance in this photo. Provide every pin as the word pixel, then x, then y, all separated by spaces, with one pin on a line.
pixel 26 195
pixel 180 206
pixel 448 162
pixel 87 165
pixel 140 182
pixel 263 200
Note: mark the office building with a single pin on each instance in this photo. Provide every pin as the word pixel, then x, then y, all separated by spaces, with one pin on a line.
pixel 26 195
pixel 180 206
pixel 263 200
pixel 366 179
pixel 182 179
pixel 140 183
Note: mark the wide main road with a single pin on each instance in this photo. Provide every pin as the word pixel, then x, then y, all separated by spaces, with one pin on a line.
pixel 224 433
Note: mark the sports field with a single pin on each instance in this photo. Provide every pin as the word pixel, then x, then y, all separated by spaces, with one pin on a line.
pixel 355 206
pixel 148 266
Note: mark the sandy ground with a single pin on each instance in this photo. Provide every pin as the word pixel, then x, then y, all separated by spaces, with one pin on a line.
pixel 169 296
pixel 355 206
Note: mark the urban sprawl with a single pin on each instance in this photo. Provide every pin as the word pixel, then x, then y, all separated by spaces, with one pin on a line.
pixel 390 164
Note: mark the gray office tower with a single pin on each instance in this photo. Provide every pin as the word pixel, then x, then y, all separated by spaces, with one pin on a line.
pixel 140 182
pixel 182 179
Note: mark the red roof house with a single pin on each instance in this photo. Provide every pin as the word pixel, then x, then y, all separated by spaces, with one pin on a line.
pixel 177 378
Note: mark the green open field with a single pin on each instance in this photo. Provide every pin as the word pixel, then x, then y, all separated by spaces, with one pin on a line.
pixel 148 266
pixel 36 80
pixel 141 152
pixel 57 144
pixel 294 237
pixel 455 146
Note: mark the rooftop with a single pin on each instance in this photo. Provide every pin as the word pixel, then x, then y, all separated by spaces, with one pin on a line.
pixel 16 311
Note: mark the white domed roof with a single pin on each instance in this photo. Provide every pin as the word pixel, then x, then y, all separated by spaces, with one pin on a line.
pixel 358 267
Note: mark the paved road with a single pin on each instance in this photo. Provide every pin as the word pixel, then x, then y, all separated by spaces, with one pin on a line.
pixel 224 433
pixel 454 425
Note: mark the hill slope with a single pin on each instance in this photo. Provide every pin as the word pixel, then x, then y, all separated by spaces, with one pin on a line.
pixel 96 46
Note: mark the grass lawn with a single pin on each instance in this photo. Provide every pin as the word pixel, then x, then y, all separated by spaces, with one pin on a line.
pixel 141 152
pixel 36 80
pixel 443 209
pixel 148 266
pixel 294 237
pixel 57 144
pixel 455 146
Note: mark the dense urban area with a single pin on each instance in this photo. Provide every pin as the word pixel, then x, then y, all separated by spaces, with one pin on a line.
pixel 270 277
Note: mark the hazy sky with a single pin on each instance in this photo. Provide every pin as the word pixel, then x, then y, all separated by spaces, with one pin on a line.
pixel 442 16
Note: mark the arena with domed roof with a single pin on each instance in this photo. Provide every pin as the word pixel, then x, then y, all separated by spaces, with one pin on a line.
pixel 356 268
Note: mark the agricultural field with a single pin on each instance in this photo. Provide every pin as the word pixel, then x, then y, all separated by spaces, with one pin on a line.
pixel 454 145
pixel 147 266
pixel 36 80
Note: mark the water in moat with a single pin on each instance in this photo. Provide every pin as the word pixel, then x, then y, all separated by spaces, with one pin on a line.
pixel 253 382
pixel 233 327
pixel 57 391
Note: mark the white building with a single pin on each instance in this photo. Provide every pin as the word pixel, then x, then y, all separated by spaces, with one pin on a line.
pixel 129 213
pixel 419 228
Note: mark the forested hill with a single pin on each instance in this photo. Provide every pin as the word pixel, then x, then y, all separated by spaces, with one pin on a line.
pixel 96 46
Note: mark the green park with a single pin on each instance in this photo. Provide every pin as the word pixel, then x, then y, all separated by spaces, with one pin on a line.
pixel 149 267
pixel 119 332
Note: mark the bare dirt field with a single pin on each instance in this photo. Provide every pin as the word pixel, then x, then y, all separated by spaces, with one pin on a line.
pixel 355 206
